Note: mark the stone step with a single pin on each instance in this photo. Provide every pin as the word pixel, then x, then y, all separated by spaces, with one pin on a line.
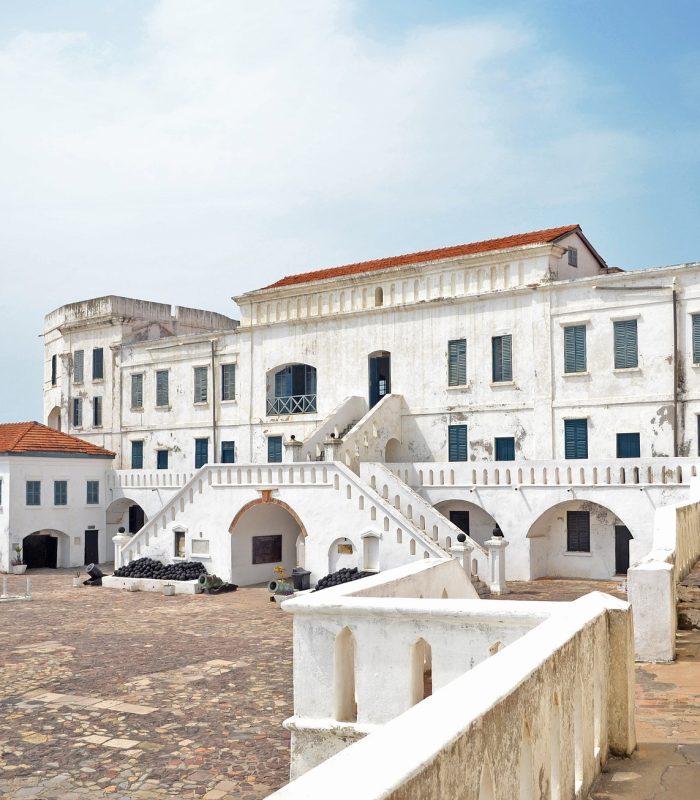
pixel 482 588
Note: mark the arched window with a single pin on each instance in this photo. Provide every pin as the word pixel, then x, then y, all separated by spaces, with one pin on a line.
pixel 379 296
pixel 294 390
pixel 344 668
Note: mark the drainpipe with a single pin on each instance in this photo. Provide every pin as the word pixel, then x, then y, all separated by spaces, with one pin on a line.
pixel 213 400
pixel 674 295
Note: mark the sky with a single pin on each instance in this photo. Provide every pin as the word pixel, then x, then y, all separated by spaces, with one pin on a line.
pixel 184 151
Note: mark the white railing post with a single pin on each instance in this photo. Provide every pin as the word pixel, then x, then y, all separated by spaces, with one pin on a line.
pixel 497 563
pixel 119 541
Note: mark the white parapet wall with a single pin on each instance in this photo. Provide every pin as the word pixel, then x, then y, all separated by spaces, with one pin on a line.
pixel 149 585
pixel 537 719
pixel 651 584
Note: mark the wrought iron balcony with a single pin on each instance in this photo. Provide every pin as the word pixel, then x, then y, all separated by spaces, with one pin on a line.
pixel 294 404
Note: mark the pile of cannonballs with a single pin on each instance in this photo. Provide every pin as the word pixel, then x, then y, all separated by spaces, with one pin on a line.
pixel 149 568
pixel 341 576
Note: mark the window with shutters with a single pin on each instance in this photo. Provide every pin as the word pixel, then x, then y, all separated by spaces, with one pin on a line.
pixel 696 338
pixel 77 412
pixel 228 452
pixel 137 455
pixel 201 452
pixel 162 459
pixel 200 385
pixel 625 343
pixel 457 442
pixel 575 348
pixel 628 445
pixel 93 493
pixel 502 358
pixel 137 390
pixel 294 390
pixel 162 388
pixel 457 362
pixel 505 448
pixel 33 493
pixel 274 449
pixel 98 366
pixel 60 493
pixel 576 438
pixel 578 532
pixel 54 370
pixel 573 256
pixel 228 382
pixel 78 366
pixel 97 412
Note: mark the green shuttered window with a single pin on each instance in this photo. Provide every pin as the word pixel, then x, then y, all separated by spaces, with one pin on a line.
pixel 575 348
pixel 628 445
pixel 502 358
pixel 457 362
pixel 505 448
pixel 578 531
pixel 137 455
pixel 457 442
pixel 576 438
pixel 78 366
pixel 200 385
pixel 274 449
pixel 137 390
pixel 228 381
pixel 625 344
pixel 696 338
pixel 98 364
pixel 162 388
pixel 201 452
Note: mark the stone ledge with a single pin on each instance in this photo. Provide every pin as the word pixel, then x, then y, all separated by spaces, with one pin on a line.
pixel 151 585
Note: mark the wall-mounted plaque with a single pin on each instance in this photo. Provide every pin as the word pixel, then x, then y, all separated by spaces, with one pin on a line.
pixel 344 549
pixel 267 549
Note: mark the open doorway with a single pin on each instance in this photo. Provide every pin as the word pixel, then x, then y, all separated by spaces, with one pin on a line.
pixel 379 376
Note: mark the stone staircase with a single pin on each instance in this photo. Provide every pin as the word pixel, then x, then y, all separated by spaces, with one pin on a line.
pixel 688 600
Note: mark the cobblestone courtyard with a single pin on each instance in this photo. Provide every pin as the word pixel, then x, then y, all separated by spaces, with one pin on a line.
pixel 106 693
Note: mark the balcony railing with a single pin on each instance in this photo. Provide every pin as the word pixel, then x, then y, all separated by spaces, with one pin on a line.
pixel 294 404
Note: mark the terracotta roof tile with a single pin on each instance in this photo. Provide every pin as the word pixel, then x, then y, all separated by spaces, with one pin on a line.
pixel 33 437
pixel 518 240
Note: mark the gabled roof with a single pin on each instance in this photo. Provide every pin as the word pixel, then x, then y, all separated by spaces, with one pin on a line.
pixel 33 437
pixel 548 236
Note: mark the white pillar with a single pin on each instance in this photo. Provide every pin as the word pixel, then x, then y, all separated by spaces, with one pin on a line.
pixel 292 451
pixel 651 591
pixel 497 564
pixel 462 551
pixel 119 541
pixel 332 448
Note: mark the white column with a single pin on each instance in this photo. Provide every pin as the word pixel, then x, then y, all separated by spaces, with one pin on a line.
pixel 497 565
pixel 119 541
pixel 462 551
pixel 292 451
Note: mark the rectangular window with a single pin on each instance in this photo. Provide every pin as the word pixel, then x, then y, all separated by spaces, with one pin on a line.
pixel 137 390
pixel 97 412
pixel 54 370
pixel 228 381
pixel 228 452
pixel 93 493
pixel 461 520
pixel 162 459
pixel 578 531
pixel 33 489
pixel 137 455
pixel 98 366
pixel 179 544
pixel 457 442
pixel 274 449
pixel 696 338
pixel 77 412
pixel 201 452
pixel 625 343
pixel 628 445
pixel 573 257
pixel 78 366
pixel 505 448
pixel 60 493
pixel 575 348
pixel 575 438
pixel 502 358
pixel 457 362
pixel 162 388
pixel 200 385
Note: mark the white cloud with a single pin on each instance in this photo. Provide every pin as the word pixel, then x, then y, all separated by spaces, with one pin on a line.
pixel 248 140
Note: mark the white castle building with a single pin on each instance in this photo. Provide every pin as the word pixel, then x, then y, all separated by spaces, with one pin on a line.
pixel 366 414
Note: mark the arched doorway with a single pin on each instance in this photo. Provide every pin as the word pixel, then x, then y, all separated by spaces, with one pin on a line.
pixel 46 548
pixel 392 452
pixel 54 418
pixel 291 389
pixel 578 539
pixel 379 376
pixel 264 534
pixel 470 518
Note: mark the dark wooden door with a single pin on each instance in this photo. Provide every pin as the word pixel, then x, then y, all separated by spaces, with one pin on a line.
pixel 91 548
pixel 622 548
pixel 379 377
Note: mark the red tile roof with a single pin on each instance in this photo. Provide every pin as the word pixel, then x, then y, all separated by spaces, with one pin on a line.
pixel 490 245
pixel 33 437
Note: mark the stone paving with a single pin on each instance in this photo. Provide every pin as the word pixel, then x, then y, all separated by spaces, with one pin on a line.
pixel 107 693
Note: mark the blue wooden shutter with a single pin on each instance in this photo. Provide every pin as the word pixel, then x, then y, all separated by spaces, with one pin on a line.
pixel 625 343
pixel 696 338
pixel 575 348
pixel 201 452
pixel 162 388
pixel 97 364
pixel 78 366
pixel 505 448
pixel 137 455
pixel 578 531
pixel 228 452
pixel 507 358
pixel 628 445
pixel 457 442
pixel 274 449
pixel 502 358
pixel 457 362
pixel 576 438
pixel 162 459
pixel 283 382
